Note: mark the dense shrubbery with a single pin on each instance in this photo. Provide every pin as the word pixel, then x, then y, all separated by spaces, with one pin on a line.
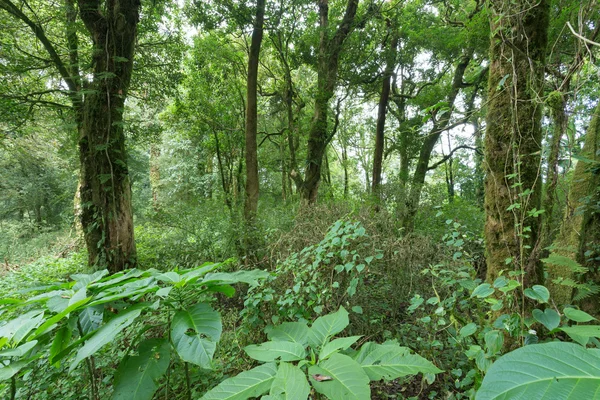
pixel 408 291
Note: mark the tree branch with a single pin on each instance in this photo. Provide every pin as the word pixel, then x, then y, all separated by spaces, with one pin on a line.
pixel 9 7
pixel 446 158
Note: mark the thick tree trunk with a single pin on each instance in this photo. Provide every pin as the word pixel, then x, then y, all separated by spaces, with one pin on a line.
pixel 381 114
pixel 327 70
pixel 107 215
pixel 252 189
pixel 580 231
pixel 513 137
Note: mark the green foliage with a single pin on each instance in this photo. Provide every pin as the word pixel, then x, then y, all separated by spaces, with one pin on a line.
pixel 560 371
pixel 333 368
pixel 160 314
pixel 317 279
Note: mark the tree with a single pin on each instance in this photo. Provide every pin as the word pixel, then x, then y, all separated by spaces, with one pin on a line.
pixel 330 48
pixel 252 182
pixel 98 104
pixel 513 137
pixel 382 108
pixel 580 232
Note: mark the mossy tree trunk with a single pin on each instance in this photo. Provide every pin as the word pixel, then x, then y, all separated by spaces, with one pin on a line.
pixel 580 231
pixel 107 215
pixel 513 136
pixel 330 48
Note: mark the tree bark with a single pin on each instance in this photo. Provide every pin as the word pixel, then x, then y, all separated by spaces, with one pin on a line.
pixel 513 137
pixel 327 70
pixel 107 215
pixel 381 115
pixel 252 183
pixel 580 230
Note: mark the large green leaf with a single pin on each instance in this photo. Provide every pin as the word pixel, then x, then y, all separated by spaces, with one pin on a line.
pixel 19 351
pixel 346 379
pixel 290 383
pixel 8 371
pixel 248 384
pixel 107 333
pixel 549 371
pixel 17 329
pixel 250 277
pixel 271 351
pixel 137 376
pixel 195 333
pixel 390 361
pixel 290 332
pixel 326 326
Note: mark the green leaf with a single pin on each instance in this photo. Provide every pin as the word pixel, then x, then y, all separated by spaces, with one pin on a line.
pixel 252 383
pixel 582 330
pixel 195 333
pixel 19 351
pixel 468 330
pixel 538 292
pixel 326 326
pixel 90 318
pixel 60 342
pixel 564 261
pixel 549 371
pixel 290 331
pixel 17 329
pixel 290 383
pixel 337 344
pixel 137 377
pixel 107 333
pixel 348 380
pixel 494 340
pixel 390 361
pixel 271 351
pixel 50 322
pixel 549 318
pixel 8 371
pixel 482 291
pixel 250 277
pixel 577 315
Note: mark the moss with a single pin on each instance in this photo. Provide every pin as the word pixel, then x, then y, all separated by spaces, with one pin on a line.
pixel 513 138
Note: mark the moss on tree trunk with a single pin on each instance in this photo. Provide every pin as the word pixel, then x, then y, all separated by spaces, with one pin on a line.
pixel 580 231
pixel 513 137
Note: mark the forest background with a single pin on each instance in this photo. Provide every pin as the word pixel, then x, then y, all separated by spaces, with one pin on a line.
pixel 432 166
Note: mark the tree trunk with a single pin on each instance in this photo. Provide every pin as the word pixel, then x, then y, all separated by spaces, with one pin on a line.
pixel 251 201
pixel 513 137
pixel 557 103
pixel 327 70
pixel 580 231
pixel 107 215
pixel 154 175
pixel 381 114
